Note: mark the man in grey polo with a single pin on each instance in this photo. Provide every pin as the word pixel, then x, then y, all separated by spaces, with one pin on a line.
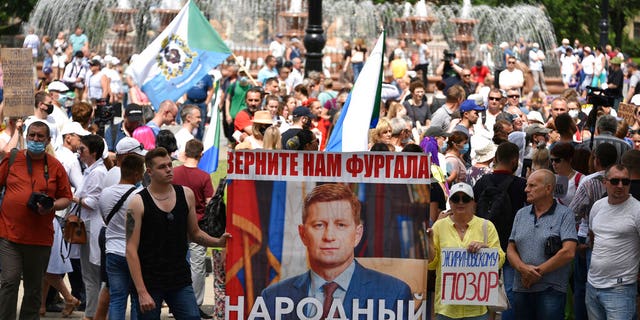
pixel 542 274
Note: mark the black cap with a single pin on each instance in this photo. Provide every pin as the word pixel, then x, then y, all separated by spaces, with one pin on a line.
pixel 301 111
pixel 133 112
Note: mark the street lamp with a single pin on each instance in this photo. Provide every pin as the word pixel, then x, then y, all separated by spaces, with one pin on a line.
pixel 314 39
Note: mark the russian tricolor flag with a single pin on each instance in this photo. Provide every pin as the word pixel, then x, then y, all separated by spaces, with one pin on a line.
pixel 362 108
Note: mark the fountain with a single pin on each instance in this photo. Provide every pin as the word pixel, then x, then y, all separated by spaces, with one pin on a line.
pixel 247 26
pixel 418 25
pixel 122 47
pixel 464 33
pixel 295 20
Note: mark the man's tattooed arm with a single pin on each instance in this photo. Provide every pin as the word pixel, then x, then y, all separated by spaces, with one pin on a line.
pixel 131 223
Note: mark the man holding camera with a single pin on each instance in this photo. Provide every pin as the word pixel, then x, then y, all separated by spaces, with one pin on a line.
pixel 541 247
pixel 36 185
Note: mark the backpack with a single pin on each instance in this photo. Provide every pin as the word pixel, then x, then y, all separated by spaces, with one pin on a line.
pixel 494 202
pixel 214 221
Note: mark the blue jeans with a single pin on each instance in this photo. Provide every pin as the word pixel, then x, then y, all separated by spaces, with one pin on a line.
pixel 547 305
pixel 611 303
pixel 508 273
pixel 357 67
pixel 120 286
pixel 181 302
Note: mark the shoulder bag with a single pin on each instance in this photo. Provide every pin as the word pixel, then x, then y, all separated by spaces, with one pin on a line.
pixel 503 301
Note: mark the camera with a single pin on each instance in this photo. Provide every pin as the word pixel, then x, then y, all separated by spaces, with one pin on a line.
pixel 600 97
pixel 449 56
pixel 104 112
pixel 39 198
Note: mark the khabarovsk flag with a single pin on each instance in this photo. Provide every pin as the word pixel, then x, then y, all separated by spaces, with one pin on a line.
pixel 179 57
pixel 211 138
pixel 362 108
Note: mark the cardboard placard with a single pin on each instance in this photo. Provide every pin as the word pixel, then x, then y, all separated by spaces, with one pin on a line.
pixel 469 278
pixel 625 111
pixel 17 66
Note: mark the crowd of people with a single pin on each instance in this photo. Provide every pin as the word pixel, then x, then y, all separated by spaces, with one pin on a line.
pixel 556 177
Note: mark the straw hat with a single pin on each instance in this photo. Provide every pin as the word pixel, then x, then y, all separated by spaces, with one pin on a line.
pixel 263 117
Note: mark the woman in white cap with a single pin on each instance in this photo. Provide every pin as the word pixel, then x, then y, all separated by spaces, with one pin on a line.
pixel 460 228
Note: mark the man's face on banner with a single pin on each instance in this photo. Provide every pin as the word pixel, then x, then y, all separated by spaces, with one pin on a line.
pixel 330 233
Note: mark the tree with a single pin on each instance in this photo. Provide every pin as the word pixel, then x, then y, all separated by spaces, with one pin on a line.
pixel 14 9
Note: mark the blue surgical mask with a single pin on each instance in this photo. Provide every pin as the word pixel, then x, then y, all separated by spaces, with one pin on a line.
pixel 443 149
pixel 35 147
pixel 465 149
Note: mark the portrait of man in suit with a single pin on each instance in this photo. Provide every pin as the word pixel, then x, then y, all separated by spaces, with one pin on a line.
pixel 330 230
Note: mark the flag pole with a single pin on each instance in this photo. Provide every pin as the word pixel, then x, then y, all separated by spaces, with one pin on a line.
pixel 242 68
pixel 248 271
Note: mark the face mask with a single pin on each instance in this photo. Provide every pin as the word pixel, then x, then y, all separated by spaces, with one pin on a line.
pixel 35 147
pixel 465 149
pixel 535 49
pixel 443 148
pixel 574 113
pixel 49 109
pixel 62 99
pixel 244 81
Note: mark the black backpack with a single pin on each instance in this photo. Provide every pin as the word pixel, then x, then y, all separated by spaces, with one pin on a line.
pixel 214 221
pixel 494 202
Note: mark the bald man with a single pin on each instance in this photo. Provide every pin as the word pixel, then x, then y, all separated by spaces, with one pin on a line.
pixel 165 116
pixel 541 246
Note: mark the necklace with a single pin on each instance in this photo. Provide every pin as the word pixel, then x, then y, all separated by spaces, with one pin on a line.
pixel 160 199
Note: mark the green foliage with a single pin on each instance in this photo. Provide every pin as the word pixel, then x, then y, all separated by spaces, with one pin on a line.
pixel 11 9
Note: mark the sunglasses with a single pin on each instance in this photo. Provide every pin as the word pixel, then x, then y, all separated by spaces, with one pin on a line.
pixel 494 99
pixel 514 96
pixel 456 198
pixel 511 62
pixel 141 147
pixel 616 181
pixel 466 75
pixel 556 160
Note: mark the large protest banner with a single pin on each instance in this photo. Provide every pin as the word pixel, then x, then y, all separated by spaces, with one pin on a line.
pixel 17 66
pixel 469 278
pixel 269 260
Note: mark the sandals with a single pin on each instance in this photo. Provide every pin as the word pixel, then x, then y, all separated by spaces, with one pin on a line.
pixel 69 306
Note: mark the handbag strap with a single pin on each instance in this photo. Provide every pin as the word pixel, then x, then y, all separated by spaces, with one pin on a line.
pixel 484 231
pixel 118 205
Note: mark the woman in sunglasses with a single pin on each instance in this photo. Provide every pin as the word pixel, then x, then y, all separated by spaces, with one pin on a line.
pixel 460 228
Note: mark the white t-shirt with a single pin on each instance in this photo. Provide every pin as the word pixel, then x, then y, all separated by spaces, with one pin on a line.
pixel 616 244
pixel 115 234
pixel 511 79
pixel 588 63
pixel 112 178
pixel 182 137
pixel 277 49
pixel 568 64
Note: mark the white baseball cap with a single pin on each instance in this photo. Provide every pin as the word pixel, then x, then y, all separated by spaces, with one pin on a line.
pixel 461 187
pixel 57 86
pixel 75 128
pixel 130 145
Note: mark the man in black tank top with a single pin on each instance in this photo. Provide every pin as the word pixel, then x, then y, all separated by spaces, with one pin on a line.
pixel 161 220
